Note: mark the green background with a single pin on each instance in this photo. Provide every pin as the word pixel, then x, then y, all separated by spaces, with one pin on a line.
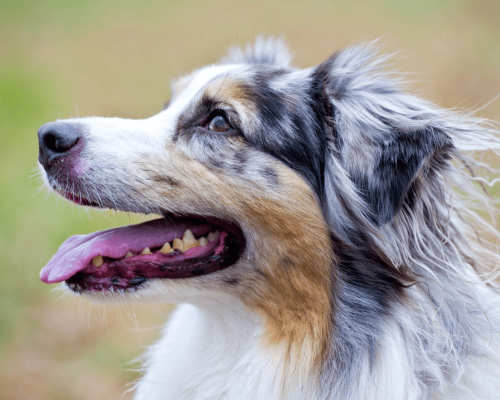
pixel 60 59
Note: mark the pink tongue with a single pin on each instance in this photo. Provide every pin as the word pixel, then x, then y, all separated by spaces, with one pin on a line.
pixel 76 252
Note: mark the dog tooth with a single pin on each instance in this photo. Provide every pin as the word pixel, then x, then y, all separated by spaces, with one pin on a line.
pixel 129 254
pixel 202 241
pixel 146 251
pixel 178 244
pixel 97 261
pixel 189 240
pixel 213 236
pixel 166 248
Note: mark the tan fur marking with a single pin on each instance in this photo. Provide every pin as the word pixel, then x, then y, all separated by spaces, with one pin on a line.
pixel 286 228
pixel 231 91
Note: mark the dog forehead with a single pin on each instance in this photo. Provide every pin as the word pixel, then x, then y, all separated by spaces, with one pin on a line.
pixel 194 83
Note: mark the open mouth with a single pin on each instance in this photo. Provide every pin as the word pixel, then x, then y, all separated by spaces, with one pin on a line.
pixel 126 258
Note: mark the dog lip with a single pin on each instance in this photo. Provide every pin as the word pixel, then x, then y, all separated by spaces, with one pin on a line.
pixel 81 201
pixel 75 198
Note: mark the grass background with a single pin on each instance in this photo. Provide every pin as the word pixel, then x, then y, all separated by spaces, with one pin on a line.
pixel 62 58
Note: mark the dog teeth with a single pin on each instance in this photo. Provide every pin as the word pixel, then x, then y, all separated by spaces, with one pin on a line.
pixel 189 241
pixel 97 261
pixel 213 236
pixel 166 248
pixel 178 244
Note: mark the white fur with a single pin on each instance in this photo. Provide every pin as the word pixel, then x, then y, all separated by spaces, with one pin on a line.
pixel 209 351
pixel 212 350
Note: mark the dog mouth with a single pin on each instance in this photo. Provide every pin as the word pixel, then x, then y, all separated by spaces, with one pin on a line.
pixel 126 258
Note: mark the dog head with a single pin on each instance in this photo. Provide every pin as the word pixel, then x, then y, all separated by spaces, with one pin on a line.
pixel 274 184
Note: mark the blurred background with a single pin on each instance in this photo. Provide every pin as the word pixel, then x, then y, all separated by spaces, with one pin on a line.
pixel 62 58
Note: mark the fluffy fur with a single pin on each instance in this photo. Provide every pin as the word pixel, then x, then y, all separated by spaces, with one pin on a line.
pixel 369 267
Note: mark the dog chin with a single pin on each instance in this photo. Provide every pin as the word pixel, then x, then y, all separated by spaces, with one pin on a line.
pixel 154 291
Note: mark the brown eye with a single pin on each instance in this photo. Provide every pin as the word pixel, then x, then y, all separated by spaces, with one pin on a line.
pixel 219 124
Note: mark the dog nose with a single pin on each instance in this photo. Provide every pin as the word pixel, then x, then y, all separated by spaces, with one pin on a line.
pixel 56 139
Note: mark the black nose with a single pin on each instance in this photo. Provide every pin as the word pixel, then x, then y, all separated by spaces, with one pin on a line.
pixel 56 139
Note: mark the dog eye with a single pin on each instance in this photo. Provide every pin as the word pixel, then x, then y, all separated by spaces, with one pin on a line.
pixel 219 124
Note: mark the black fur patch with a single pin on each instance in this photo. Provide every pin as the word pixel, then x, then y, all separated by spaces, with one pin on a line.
pixel 400 159
pixel 322 105
pixel 369 287
pixel 271 176
pixel 288 130
pixel 400 153
pixel 231 281
pixel 165 179
pixel 240 161
pixel 195 116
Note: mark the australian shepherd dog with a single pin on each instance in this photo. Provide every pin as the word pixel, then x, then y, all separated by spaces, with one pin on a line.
pixel 324 232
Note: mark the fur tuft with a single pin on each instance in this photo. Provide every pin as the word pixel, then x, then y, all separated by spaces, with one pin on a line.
pixel 264 51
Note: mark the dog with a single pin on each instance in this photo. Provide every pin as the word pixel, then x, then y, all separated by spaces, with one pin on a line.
pixel 322 230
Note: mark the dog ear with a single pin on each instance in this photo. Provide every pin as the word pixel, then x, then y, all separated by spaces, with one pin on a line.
pixel 379 135
pixel 269 51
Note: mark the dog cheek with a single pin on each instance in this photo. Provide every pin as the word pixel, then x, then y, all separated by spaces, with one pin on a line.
pixel 292 276
pixel 282 218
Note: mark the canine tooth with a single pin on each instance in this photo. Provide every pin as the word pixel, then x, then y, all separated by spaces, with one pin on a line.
pixel 202 241
pixel 166 249
pixel 177 244
pixel 146 251
pixel 97 261
pixel 213 236
pixel 129 254
pixel 189 240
